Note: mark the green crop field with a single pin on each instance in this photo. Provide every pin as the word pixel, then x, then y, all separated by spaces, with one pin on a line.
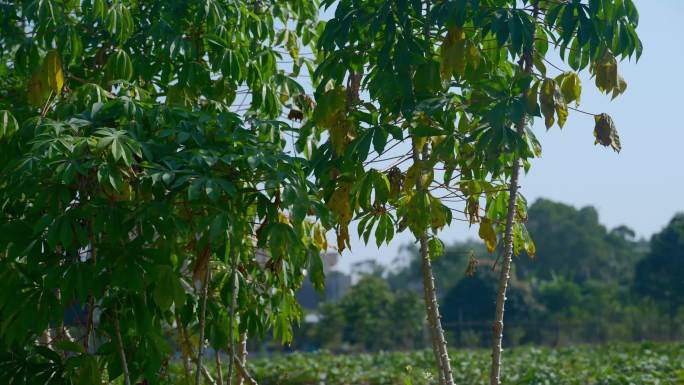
pixel 636 364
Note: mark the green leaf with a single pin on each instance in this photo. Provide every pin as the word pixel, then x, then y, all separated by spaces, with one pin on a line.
pixel 317 274
pixel 167 288
pixel 119 66
pixel 69 346
pixel 8 124
pixel 380 231
pixel 435 247
pixel 88 371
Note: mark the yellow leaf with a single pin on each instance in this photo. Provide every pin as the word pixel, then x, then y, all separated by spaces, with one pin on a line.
pixel 621 87
pixel 411 177
pixel 605 71
pixel 342 132
pixel 340 205
pixel 292 45
pixel 319 238
pixel 343 238
pixel 571 88
pixel 283 218
pixel 531 97
pixel 54 72
pixel 552 101
pixel 472 210
pixel 437 214
pixel 330 113
pixel 562 112
pixel 487 234
pixel 453 53
pixel 548 105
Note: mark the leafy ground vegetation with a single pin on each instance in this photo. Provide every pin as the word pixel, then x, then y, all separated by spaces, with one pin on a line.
pixel 646 363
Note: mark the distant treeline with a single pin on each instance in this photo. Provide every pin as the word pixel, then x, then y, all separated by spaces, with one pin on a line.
pixel 586 283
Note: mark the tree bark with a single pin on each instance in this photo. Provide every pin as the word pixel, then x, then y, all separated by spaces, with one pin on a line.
pixel 439 343
pixel 434 319
pixel 495 373
pixel 202 321
pixel 242 356
pixel 184 344
pixel 207 375
pixel 243 371
pixel 233 303
pixel 219 371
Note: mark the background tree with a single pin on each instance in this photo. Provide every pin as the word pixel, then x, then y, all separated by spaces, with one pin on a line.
pixel 448 267
pixel 371 317
pixel 572 243
pixel 660 274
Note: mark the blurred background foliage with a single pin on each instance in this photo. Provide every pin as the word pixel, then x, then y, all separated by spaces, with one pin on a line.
pixel 587 284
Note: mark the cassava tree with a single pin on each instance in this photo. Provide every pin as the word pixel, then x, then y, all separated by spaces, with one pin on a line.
pixel 445 93
pixel 142 165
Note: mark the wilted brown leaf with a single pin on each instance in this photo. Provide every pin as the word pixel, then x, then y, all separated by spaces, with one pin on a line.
pixel 605 132
pixel 295 115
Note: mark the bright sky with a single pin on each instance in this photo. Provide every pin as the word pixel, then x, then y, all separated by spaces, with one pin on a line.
pixel 641 187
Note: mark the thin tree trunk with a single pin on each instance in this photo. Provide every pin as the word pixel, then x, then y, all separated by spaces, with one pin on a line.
pixel 242 356
pixel 219 371
pixel 495 372
pixel 439 344
pixel 122 353
pixel 89 325
pixel 184 343
pixel 202 321
pixel 434 319
pixel 233 303
pixel 243 371
pixel 207 376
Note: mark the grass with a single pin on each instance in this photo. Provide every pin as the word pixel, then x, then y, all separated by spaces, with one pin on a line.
pixel 646 363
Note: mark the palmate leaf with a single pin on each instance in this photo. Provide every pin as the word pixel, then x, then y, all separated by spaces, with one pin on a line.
pixel 121 145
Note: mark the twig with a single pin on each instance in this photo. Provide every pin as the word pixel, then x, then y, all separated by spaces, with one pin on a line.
pixel 182 339
pixel 245 374
pixel 207 375
pixel 122 353
pixel 231 252
pixel 202 322
pixel 219 372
